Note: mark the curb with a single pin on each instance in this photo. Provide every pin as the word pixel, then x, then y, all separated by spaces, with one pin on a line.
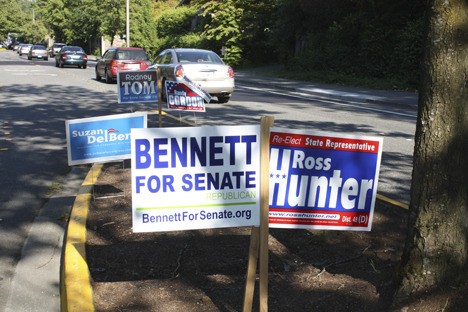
pixel 75 284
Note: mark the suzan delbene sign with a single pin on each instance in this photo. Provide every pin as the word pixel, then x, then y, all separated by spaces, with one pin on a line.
pixel 195 178
pixel 100 139
pixel 322 181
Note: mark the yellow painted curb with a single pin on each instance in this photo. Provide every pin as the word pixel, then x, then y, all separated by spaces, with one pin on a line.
pixel 393 202
pixel 76 291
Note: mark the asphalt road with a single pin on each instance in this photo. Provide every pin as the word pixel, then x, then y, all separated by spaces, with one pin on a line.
pixel 36 98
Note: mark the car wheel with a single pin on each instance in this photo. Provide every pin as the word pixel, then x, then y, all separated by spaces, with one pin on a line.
pixel 98 77
pixel 46 59
pixel 84 66
pixel 224 98
pixel 107 78
pixel 29 58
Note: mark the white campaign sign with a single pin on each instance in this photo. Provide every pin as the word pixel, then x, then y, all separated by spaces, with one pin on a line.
pixel 195 178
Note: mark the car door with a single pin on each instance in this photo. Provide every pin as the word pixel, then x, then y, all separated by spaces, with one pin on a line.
pixel 166 65
pixel 104 61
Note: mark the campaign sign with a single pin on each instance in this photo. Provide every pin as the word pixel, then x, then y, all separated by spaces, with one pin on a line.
pixel 100 139
pixel 322 181
pixel 181 97
pixel 136 86
pixel 195 178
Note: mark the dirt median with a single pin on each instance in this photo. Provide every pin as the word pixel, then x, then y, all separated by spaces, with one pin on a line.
pixel 204 270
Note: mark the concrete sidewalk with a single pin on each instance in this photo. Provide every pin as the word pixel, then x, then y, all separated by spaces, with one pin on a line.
pixel 35 284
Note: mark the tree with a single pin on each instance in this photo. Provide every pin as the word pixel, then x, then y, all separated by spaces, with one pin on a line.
pixel 222 27
pixel 54 14
pixel 113 18
pixel 142 25
pixel 436 250
pixel 11 16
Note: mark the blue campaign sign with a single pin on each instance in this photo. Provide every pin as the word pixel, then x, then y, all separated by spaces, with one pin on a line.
pixel 323 181
pixel 137 86
pixel 100 139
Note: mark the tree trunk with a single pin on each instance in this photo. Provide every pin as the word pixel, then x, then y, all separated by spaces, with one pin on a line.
pixel 436 250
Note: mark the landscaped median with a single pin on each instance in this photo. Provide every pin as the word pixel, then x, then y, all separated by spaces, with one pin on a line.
pixel 76 291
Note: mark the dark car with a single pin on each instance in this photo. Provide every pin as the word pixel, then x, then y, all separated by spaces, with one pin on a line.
pixel 120 58
pixel 71 55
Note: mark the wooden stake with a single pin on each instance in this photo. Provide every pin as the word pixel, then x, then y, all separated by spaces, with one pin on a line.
pixel 266 124
pixel 158 78
pixel 251 269
pixel 259 235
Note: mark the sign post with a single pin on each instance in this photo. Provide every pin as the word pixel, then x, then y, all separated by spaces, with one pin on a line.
pixel 259 235
pixel 266 124
pixel 160 86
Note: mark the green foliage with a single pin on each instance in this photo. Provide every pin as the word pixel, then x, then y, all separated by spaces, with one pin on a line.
pixel 221 28
pixel 19 16
pixel 53 14
pixel 113 19
pixel 11 17
pixel 175 22
pixel 367 39
pixel 364 39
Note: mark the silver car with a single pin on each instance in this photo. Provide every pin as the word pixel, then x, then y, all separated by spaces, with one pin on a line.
pixel 24 49
pixel 202 67
pixel 39 52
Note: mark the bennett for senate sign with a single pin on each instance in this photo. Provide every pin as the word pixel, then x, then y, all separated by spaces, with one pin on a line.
pixel 195 178
pixel 137 86
pixel 322 180
pixel 100 139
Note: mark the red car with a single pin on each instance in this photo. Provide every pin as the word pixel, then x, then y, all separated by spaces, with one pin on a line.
pixel 120 58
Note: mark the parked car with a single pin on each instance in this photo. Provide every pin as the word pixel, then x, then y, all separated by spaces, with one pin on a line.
pixel 203 67
pixel 56 48
pixel 71 55
pixel 18 46
pixel 39 52
pixel 14 46
pixel 24 49
pixel 120 58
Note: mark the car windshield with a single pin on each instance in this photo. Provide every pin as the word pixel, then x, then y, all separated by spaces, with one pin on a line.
pixel 137 55
pixel 72 49
pixel 39 47
pixel 198 57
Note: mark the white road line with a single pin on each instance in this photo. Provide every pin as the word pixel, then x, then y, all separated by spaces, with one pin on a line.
pixel 304 96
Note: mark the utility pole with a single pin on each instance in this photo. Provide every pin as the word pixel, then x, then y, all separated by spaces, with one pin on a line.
pixel 128 22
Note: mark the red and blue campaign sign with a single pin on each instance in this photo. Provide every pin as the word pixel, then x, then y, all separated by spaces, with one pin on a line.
pixel 323 181
pixel 186 96
pixel 100 139
pixel 137 86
